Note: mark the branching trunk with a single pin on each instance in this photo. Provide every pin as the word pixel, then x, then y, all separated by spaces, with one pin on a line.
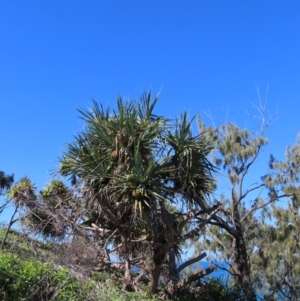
pixel 11 222
pixel 239 254
pixel 241 263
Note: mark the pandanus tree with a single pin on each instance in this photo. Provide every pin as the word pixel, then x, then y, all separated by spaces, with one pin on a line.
pixel 46 212
pixel 53 214
pixel 143 179
pixel 21 193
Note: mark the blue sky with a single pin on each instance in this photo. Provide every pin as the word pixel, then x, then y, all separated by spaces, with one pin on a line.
pixel 56 56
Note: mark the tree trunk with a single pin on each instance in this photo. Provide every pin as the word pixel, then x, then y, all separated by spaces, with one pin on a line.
pixel 156 260
pixel 155 272
pixel 127 281
pixel 242 269
pixel 239 251
pixel 173 275
pixel 11 222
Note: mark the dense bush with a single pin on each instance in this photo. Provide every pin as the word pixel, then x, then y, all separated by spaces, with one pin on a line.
pixel 31 280
pixel 34 281
pixel 214 289
pixel 224 292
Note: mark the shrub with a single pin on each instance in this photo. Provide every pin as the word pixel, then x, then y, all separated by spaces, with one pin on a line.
pixel 217 290
pixel 31 280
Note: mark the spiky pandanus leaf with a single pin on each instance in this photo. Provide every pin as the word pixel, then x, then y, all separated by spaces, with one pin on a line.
pixel 123 163
pixel 23 192
pixel 192 173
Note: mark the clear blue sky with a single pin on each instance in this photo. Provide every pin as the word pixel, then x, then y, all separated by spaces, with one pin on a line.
pixel 55 56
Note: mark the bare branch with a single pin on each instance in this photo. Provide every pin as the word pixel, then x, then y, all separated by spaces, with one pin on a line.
pixel 184 282
pixel 143 238
pixel 116 248
pixel 252 189
pixel 225 269
pixel 190 261
pixel 263 205
pixel 195 231
pixel 96 228
pixel 215 238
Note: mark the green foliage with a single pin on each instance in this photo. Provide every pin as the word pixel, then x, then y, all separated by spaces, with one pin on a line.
pixel 23 280
pixel 224 292
pixel 24 187
pixel 46 212
pixel 100 276
pixel 27 248
pixel 140 183
pixel 54 188
pixel 31 280
pixel 277 259
pixel 109 292
pixel 216 289
pixel 271 249
pixel 238 231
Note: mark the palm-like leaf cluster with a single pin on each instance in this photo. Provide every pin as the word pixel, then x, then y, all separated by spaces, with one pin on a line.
pixel 130 164
pixel 129 159
pixel 46 213
pixel 22 192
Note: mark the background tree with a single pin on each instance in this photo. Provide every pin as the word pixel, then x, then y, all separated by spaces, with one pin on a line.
pixel 275 264
pixel 277 258
pixel 234 233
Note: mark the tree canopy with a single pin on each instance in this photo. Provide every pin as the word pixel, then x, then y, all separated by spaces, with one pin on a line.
pixel 140 181
pixel 144 187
